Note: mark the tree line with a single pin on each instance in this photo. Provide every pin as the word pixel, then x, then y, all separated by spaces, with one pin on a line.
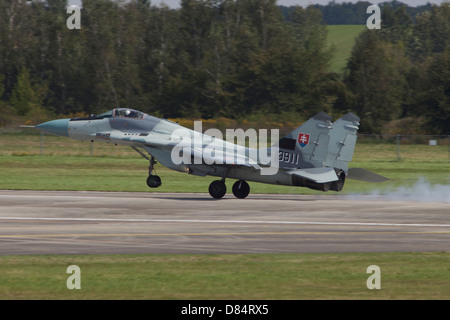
pixel 355 13
pixel 220 58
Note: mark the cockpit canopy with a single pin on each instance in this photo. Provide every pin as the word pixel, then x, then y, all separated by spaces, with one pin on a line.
pixel 122 112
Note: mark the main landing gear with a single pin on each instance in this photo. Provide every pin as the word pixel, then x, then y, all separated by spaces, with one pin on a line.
pixel 217 189
pixel 241 189
pixel 153 180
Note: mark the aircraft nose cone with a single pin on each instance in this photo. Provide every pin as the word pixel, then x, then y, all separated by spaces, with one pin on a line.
pixel 58 127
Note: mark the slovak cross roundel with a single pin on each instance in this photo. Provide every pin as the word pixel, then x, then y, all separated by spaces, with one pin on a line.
pixel 303 139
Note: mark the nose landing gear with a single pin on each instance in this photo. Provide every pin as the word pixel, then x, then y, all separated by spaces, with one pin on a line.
pixel 153 180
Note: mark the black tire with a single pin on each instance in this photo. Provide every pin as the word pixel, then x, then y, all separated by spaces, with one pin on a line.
pixel 241 189
pixel 217 189
pixel 154 181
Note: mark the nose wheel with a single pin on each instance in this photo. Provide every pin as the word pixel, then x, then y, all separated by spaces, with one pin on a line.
pixel 153 180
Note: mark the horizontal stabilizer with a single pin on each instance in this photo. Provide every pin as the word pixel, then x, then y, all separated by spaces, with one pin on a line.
pixel 318 175
pixel 365 175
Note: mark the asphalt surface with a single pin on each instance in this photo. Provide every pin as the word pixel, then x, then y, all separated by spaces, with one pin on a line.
pixel 35 222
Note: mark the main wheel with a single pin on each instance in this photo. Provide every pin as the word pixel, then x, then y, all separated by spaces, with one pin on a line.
pixel 241 189
pixel 153 181
pixel 217 189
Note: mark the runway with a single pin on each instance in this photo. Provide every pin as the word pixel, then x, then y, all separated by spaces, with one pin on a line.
pixel 67 222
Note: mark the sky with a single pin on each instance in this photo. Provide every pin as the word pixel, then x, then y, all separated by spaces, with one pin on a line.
pixel 303 3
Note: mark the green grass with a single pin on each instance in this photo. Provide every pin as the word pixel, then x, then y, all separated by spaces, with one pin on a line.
pixel 129 174
pixel 249 276
pixel 342 38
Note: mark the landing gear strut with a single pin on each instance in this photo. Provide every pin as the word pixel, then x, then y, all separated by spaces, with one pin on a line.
pixel 153 180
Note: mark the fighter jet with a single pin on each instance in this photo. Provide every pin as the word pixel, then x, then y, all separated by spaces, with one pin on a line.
pixel 314 155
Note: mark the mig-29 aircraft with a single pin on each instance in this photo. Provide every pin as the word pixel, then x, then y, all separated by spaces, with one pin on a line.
pixel 314 155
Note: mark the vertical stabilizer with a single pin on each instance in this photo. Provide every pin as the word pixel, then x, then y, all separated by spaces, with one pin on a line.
pixel 306 146
pixel 342 142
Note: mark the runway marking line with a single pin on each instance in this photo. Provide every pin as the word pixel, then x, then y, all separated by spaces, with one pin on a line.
pixel 212 234
pixel 233 221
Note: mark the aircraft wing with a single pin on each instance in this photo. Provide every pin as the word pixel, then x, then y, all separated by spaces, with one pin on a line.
pixel 222 158
pixel 201 155
pixel 197 155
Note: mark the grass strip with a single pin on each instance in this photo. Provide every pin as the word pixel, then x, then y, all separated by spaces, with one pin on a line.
pixel 241 276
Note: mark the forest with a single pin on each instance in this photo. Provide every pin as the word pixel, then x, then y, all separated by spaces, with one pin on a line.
pixel 353 13
pixel 236 59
